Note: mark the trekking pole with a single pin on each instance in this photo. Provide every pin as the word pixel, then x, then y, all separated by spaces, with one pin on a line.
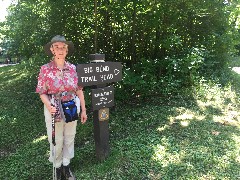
pixel 54 148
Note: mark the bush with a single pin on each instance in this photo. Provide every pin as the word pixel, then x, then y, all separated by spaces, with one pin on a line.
pixel 148 77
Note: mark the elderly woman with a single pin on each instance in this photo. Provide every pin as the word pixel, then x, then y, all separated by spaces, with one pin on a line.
pixel 57 83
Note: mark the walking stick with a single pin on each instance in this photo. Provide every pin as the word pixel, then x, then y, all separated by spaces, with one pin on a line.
pixel 54 148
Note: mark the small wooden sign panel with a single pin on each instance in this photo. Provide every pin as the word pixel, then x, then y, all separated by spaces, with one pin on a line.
pixel 102 97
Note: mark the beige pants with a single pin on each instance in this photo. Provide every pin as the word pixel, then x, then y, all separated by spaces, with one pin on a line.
pixel 64 137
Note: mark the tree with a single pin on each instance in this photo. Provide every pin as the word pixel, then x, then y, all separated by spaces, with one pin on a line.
pixel 172 34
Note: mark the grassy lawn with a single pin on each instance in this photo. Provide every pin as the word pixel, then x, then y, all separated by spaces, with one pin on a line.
pixel 2 59
pixel 192 135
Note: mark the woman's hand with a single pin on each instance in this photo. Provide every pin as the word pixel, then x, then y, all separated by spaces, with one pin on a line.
pixel 52 109
pixel 83 116
pixel 82 102
pixel 48 104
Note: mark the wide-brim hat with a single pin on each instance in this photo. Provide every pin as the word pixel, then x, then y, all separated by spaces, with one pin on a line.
pixel 59 38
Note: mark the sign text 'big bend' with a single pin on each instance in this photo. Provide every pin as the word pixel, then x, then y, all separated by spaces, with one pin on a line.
pixel 99 73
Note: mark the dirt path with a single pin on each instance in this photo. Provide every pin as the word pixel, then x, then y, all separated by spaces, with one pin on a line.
pixel 2 65
pixel 236 69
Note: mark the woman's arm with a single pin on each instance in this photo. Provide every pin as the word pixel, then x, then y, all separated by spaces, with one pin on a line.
pixel 82 102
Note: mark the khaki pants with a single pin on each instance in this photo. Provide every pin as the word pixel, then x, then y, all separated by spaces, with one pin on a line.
pixel 64 137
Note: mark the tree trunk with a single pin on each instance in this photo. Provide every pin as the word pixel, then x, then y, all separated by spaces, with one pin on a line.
pixel 133 43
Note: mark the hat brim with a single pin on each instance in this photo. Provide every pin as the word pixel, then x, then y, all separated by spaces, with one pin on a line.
pixel 48 46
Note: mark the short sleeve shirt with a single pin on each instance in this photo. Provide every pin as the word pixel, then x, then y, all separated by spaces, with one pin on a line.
pixel 52 80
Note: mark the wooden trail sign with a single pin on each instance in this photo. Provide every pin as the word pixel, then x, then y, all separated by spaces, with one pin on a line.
pixel 99 73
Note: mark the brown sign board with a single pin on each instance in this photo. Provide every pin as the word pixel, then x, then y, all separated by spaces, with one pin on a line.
pixel 99 73
pixel 102 97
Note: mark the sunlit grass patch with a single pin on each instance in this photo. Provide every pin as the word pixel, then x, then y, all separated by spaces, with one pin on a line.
pixel 162 154
pixel 202 139
pixel 184 116
pixel 185 136
pixel 222 103
pixel 40 139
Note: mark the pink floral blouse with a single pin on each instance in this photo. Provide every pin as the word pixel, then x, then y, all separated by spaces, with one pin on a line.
pixel 52 80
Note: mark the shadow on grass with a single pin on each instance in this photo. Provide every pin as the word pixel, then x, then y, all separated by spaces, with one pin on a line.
pixel 202 149
pixel 155 148
pixel 158 138
pixel 29 161
pixel 20 124
pixel 174 138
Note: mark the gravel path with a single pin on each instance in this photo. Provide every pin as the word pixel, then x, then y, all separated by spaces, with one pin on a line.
pixel 2 65
pixel 236 69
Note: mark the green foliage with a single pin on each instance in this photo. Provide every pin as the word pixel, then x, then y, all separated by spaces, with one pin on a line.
pixel 155 132
pixel 172 137
pixel 164 45
pixel 126 31
pixel 148 77
pixel 139 80
pixel 186 70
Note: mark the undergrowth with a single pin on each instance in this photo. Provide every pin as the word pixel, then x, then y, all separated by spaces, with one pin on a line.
pixel 192 134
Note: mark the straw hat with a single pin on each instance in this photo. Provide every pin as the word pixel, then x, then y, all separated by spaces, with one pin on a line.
pixel 59 38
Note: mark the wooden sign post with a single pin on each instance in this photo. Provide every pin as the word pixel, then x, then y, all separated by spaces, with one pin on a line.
pixel 97 74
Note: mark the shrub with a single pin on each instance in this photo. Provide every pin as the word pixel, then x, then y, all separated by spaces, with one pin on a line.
pixel 161 76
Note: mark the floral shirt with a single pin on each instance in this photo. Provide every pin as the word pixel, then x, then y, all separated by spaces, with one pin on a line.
pixel 52 80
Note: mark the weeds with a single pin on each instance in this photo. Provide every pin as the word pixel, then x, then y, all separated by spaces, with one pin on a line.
pixel 194 135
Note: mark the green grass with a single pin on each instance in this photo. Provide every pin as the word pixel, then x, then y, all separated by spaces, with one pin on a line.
pixel 193 135
pixel 2 59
